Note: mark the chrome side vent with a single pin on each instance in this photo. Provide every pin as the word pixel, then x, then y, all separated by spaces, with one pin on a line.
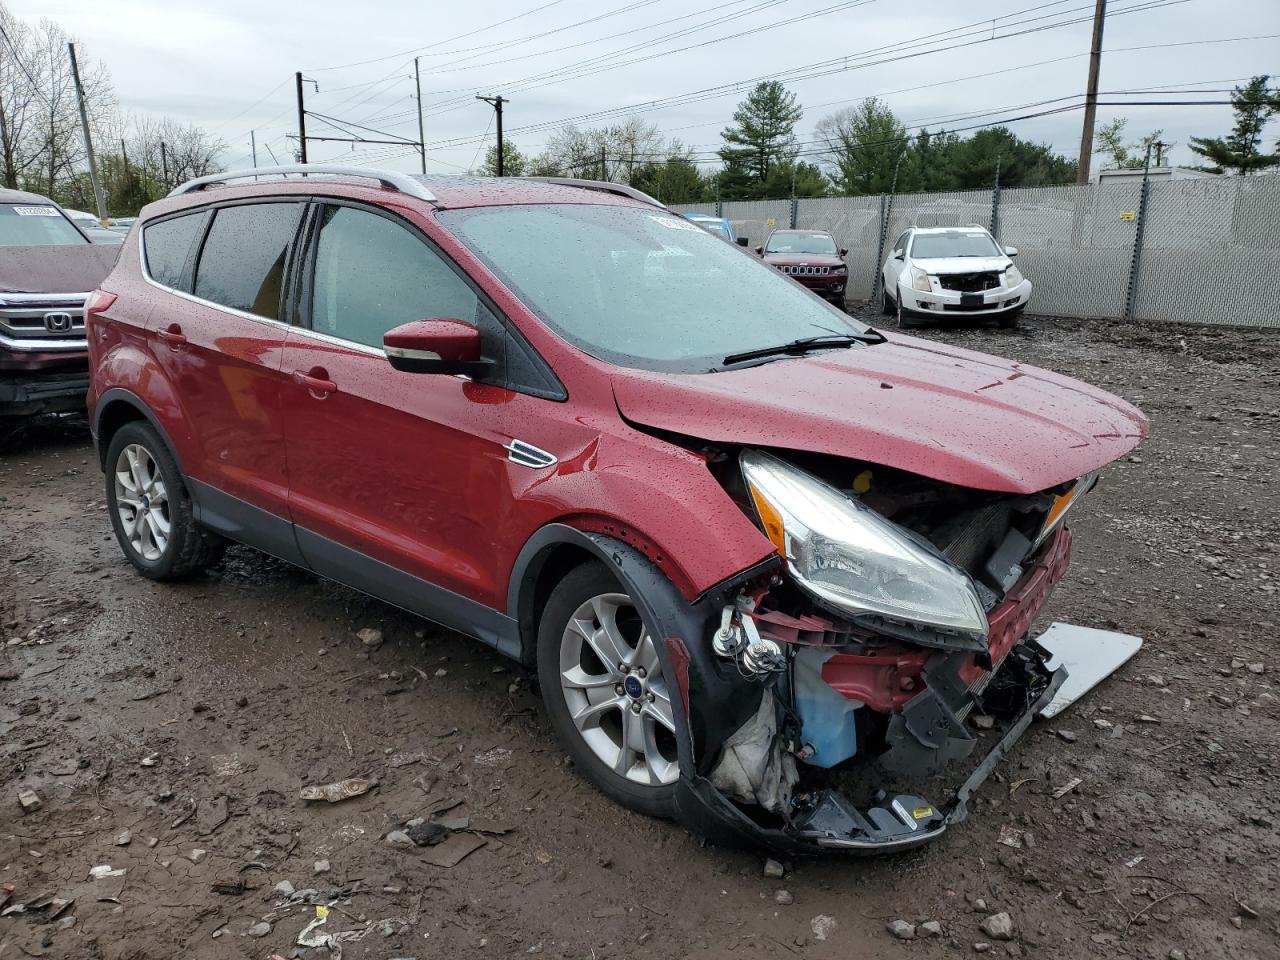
pixel 527 455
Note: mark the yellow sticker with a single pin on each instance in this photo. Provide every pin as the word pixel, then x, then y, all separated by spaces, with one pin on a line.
pixel 1127 214
pixel 322 912
pixel 920 813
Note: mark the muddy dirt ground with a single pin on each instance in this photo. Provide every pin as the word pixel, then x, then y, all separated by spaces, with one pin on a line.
pixel 158 721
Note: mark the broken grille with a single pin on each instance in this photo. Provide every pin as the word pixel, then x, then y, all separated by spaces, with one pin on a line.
pixel 969 282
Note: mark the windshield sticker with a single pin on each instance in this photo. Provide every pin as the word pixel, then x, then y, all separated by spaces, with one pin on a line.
pixel 675 223
pixel 35 211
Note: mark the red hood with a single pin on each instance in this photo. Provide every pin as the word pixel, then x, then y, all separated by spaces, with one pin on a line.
pixel 953 415
pixel 74 268
pixel 810 259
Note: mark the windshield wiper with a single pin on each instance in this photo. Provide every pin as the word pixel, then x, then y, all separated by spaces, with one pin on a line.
pixel 804 345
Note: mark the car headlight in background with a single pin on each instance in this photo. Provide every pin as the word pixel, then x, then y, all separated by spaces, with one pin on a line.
pixel 1012 276
pixel 920 280
pixel 852 559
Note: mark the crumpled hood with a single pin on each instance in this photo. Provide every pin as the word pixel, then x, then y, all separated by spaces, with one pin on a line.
pixel 937 265
pixel 77 268
pixel 938 411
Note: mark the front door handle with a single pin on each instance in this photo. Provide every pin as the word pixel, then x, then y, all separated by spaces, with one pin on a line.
pixel 173 335
pixel 317 381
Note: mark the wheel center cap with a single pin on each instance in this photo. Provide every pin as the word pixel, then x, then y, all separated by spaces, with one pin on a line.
pixel 634 688
pixel 146 502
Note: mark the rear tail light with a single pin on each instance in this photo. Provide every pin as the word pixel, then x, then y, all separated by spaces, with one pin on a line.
pixel 98 302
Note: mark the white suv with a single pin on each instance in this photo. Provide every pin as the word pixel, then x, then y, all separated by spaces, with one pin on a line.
pixel 952 271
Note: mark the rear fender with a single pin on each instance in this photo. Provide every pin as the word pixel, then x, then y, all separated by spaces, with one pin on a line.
pixel 133 374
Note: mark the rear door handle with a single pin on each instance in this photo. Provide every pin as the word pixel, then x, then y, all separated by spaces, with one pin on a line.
pixel 316 384
pixel 173 335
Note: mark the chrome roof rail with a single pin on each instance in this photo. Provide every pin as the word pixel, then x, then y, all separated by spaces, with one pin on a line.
pixel 390 179
pixel 604 186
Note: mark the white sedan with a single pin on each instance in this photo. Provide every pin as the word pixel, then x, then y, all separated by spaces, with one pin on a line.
pixel 952 271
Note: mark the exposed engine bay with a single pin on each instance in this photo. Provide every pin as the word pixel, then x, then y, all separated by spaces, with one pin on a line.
pixel 887 645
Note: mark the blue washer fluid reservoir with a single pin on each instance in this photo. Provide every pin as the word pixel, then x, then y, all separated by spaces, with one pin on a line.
pixel 827 718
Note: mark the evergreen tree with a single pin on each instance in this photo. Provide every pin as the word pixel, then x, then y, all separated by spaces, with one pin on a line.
pixel 1254 105
pixel 763 134
pixel 513 161
pixel 864 146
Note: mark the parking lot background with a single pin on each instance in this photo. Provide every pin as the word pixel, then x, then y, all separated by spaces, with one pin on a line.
pixel 1196 251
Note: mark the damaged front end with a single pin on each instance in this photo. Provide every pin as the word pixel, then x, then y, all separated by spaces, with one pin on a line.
pixel 859 691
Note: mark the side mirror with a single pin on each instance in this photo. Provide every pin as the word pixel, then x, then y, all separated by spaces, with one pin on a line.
pixel 438 345
pixel 1010 251
pixel 741 241
pixel 844 252
pixel 896 255
pixel 760 251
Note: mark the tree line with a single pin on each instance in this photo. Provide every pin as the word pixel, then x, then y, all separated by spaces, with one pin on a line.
pixel 862 149
pixel 140 157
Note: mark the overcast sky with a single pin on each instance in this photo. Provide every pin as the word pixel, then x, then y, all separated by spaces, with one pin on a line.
pixel 228 64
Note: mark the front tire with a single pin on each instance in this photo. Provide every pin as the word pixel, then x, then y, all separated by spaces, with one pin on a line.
pixel 605 691
pixel 886 303
pixel 151 510
pixel 905 320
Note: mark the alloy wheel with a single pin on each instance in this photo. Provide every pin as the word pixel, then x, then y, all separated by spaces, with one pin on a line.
pixel 142 502
pixel 618 700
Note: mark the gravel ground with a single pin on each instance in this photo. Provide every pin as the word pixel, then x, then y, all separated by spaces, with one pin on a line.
pixel 168 729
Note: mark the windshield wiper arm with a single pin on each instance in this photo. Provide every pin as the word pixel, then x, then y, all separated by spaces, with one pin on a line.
pixel 804 345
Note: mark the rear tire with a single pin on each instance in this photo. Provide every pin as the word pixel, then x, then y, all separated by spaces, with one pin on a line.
pixel 605 691
pixel 150 507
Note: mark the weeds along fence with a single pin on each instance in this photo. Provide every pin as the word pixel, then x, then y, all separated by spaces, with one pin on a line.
pixel 1187 251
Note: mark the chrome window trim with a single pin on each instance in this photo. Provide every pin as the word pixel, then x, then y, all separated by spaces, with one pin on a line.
pixel 146 275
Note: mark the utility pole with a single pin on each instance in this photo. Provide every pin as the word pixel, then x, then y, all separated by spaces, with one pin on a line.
pixel 302 121
pixel 497 102
pixel 604 170
pixel 422 140
pixel 164 162
pixel 1091 95
pixel 88 139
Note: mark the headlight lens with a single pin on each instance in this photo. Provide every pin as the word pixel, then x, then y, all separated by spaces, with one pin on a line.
pixel 854 560
pixel 1012 276
pixel 920 280
pixel 1061 504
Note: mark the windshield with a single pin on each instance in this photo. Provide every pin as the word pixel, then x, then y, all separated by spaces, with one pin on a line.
pixel 717 228
pixel 801 243
pixel 640 287
pixel 36 225
pixel 929 246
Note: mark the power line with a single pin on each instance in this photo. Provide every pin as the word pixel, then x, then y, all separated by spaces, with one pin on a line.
pixel 461 36
pixel 897 51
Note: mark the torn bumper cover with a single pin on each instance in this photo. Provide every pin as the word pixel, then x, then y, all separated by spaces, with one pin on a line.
pixel 924 698
pixel 828 820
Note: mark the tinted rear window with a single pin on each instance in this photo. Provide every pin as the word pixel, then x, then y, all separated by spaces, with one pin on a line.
pixel 36 225
pixel 168 247
pixel 242 263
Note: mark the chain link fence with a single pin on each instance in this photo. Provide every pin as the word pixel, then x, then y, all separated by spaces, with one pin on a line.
pixel 1194 251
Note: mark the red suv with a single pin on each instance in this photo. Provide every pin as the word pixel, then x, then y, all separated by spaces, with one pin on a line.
pixel 748 543
pixel 811 258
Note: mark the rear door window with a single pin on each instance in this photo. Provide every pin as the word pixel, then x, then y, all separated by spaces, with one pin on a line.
pixel 168 246
pixel 242 264
pixel 372 274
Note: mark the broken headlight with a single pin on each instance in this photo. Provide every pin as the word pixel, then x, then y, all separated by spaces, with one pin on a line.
pixel 852 559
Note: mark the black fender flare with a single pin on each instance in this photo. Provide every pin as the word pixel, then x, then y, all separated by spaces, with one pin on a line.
pixel 720 700
pixel 120 394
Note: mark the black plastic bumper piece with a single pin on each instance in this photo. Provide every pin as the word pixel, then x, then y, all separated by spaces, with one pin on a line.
pixel 52 393
pixel 832 822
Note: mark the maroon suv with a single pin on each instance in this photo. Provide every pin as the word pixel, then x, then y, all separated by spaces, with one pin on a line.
pixel 757 552
pixel 811 258
pixel 47 269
